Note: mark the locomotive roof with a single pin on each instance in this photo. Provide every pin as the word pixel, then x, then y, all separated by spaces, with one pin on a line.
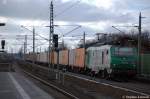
pixel 104 47
pixel 100 47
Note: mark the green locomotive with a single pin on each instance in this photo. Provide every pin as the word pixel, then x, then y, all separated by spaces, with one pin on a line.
pixel 109 59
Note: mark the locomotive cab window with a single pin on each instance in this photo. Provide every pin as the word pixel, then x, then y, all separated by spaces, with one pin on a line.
pixel 123 51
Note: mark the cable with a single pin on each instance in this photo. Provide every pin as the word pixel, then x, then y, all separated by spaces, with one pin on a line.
pixel 68 8
pixel 42 37
pixel 71 31
pixel 146 8
pixel 40 44
pixel 35 33
pixel 146 23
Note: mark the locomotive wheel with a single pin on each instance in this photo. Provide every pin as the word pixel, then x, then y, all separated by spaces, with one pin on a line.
pixel 105 73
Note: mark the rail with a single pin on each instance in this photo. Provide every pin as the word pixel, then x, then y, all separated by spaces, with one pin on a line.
pixel 102 83
pixel 51 85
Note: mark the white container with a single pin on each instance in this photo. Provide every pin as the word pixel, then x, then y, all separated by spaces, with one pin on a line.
pixel 71 57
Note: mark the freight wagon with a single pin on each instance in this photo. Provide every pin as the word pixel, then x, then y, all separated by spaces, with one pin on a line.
pixel 42 57
pixel 108 59
pixel 31 57
pixel 105 60
pixel 77 60
pixel 71 58
pixel 63 58
pixel 53 58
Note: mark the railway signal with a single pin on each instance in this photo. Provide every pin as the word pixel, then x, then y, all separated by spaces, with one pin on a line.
pixel 3 44
pixel 55 40
pixel 2 24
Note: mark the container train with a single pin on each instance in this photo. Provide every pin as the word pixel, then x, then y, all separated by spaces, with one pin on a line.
pixel 106 60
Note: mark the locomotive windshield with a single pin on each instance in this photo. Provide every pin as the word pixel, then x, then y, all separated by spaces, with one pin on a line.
pixel 123 51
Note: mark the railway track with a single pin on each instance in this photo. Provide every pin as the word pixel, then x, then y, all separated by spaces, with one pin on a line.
pixel 114 85
pixel 117 87
pixel 51 85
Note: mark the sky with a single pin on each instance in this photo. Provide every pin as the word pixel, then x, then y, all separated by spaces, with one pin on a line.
pixel 94 16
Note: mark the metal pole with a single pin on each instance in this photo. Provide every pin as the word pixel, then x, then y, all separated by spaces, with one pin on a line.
pixel 62 43
pixel 84 40
pixel 24 48
pixel 33 40
pixel 26 44
pixel 51 31
pixel 139 45
pixel 33 44
pixel 37 50
pixel 40 49
pixel 50 36
pixel 84 48
pixel 98 36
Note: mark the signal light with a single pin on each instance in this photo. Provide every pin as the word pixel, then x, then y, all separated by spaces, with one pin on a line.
pixel 55 40
pixel 2 24
pixel 3 44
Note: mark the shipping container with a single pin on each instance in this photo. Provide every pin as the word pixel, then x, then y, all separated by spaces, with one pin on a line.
pixel 63 57
pixel 71 57
pixel 55 57
pixel 79 57
pixel 31 57
pixel 43 57
pixel 38 57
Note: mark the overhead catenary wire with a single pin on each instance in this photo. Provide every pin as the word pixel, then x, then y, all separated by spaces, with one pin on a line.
pixel 72 30
pixel 146 8
pixel 68 8
pixel 36 33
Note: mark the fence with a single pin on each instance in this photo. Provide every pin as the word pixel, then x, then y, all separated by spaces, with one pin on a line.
pixel 145 64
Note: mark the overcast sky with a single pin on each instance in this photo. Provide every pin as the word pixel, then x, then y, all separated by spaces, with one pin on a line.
pixel 94 16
